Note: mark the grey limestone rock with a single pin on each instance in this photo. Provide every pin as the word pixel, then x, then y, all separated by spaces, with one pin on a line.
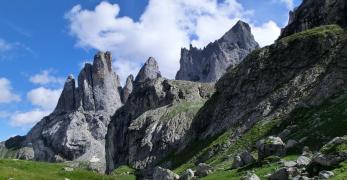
pixel 243 159
pixel 210 63
pixel 128 88
pixel 187 175
pixel 271 146
pixel 250 176
pixel 149 71
pixel 164 174
pixel 314 13
pixel 203 170
pixel 154 122
pixel 76 130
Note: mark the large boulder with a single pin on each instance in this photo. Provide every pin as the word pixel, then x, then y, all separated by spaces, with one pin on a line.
pixel 203 170
pixel 164 174
pixel 243 159
pixel 271 146
pixel 285 173
pixel 250 176
pixel 187 175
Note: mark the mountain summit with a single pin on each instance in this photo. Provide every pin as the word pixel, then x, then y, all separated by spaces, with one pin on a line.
pixel 210 63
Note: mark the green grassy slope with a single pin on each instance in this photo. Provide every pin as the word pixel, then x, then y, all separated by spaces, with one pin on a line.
pixel 25 170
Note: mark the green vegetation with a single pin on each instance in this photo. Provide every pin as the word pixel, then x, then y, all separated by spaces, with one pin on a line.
pixel 322 31
pixel 23 170
pixel 7 153
pixel 222 160
pixel 320 124
pixel 334 148
pixel 189 108
pixel 124 173
pixel 340 172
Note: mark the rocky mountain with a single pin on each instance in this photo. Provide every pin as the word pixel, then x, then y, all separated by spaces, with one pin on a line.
pixel 154 120
pixel 76 129
pixel 313 13
pixel 210 63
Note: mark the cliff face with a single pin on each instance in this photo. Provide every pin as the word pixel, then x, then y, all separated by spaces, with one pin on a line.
pixel 313 13
pixel 210 63
pixel 76 129
pixel 154 120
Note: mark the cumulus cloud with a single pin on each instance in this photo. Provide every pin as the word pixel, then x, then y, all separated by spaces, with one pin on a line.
pixel 45 77
pixel 263 32
pixel 288 3
pixel 44 97
pixel 27 119
pixel 162 30
pixel 6 92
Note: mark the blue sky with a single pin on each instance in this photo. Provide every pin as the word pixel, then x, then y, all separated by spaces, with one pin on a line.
pixel 41 42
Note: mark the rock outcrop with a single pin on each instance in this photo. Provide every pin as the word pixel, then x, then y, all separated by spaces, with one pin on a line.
pixel 314 13
pixel 150 70
pixel 76 129
pixel 154 121
pixel 128 88
pixel 210 63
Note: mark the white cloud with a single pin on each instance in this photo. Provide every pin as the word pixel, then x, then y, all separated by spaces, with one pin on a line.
pixel 25 119
pixel 6 94
pixel 262 33
pixel 45 77
pixel 163 29
pixel 4 46
pixel 45 98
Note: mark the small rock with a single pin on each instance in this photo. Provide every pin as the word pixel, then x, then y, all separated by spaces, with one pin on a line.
pixel 203 170
pixel 243 159
pixel 66 179
pixel 303 161
pixel 187 175
pixel 271 146
pixel 68 169
pixel 300 178
pixel 250 176
pixel 326 174
pixel 291 144
pixel 285 173
pixel 289 163
pixel 306 151
pixel 164 174
pixel 10 178
pixel 326 160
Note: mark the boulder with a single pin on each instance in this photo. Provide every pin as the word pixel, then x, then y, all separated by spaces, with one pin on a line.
pixel 187 175
pixel 289 163
pixel 285 173
pixel 291 144
pixel 68 169
pixel 250 176
pixel 243 159
pixel 326 174
pixel 271 146
pixel 203 170
pixel 303 161
pixel 164 174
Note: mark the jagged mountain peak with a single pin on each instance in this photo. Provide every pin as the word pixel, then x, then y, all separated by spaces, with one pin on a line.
pixel 210 63
pixel 150 70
